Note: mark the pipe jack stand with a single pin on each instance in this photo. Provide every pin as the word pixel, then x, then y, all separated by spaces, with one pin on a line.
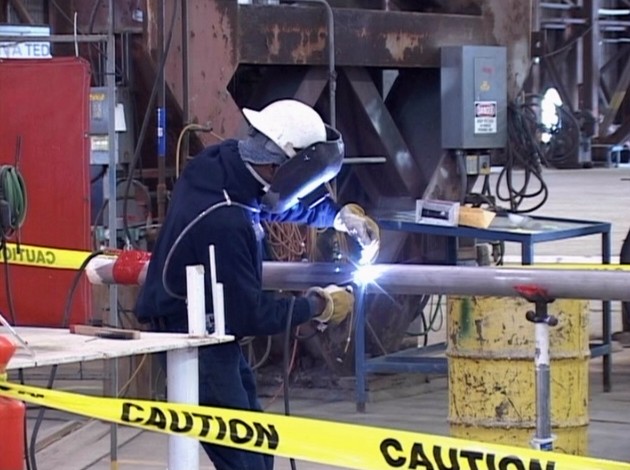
pixel 543 439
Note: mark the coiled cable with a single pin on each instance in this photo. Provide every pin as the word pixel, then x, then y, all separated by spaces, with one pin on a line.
pixel 13 200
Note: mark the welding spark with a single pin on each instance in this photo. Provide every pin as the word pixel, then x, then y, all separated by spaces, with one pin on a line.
pixel 366 274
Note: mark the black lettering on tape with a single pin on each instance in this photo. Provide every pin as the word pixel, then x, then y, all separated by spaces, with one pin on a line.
pixel 511 462
pixel 175 418
pixel 222 428
pixel 270 433
pixel 418 458
pixel 50 257
pixel 387 445
pixel 31 256
pixel 126 412
pixel 157 418
pixel 40 257
pixel 472 458
pixel 452 456
pixel 535 465
pixel 31 394
pixel 234 431
pixel 205 423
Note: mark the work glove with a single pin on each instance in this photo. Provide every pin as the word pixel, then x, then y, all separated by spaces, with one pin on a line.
pixel 351 219
pixel 336 303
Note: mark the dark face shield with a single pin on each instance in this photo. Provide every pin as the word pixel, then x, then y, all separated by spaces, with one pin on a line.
pixel 306 171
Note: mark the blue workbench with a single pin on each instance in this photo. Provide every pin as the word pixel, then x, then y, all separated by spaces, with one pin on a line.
pixel 527 233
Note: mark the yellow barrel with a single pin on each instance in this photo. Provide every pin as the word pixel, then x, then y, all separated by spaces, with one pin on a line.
pixel 492 382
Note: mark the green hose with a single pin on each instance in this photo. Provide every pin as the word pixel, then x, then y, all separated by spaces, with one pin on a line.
pixel 13 191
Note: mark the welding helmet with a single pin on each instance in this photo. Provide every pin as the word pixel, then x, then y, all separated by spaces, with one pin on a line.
pixel 314 151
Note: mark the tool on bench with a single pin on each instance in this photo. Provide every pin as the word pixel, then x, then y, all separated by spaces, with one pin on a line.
pixel 104 332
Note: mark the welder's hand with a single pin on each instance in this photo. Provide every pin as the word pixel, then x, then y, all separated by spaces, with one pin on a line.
pixel 338 303
pixel 352 220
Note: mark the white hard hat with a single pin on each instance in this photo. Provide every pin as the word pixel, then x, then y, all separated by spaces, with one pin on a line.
pixel 290 124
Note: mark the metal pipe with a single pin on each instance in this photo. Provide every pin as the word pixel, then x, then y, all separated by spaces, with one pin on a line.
pixel 111 210
pixel 454 280
pixel 161 116
pixel 412 279
pixel 56 38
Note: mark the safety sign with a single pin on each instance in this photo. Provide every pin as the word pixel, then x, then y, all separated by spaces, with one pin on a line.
pixel 485 117
pixel 325 442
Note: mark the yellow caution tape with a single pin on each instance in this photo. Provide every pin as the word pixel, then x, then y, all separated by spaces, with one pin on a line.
pixel 325 442
pixel 572 266
pixel 44 257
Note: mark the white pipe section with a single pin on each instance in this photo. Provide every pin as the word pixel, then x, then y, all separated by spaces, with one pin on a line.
pixel 183 372
pixel 219 313
pixel 196 300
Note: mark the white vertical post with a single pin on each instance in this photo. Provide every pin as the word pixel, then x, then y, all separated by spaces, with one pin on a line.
pixel 218 306
pixel 219 313
pixel 183 373
pixel 196 300
pixel 213 279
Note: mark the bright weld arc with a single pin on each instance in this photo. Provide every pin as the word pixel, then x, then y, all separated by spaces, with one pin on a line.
pixel 366 274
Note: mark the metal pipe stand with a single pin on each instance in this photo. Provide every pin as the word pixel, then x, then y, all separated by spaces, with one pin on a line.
pixel 543 438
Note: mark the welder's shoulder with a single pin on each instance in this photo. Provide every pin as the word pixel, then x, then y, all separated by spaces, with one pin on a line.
pixel 228 219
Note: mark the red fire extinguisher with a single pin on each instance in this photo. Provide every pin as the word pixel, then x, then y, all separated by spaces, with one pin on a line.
pixel 12 415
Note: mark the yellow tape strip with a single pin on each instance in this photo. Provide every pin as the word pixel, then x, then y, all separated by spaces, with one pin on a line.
pixel 44 257
pixel 573 266
pixel 329 443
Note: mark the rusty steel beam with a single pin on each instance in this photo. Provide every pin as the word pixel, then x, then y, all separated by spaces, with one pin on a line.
pixel 297 35
pixel 22 12
pixel 383 124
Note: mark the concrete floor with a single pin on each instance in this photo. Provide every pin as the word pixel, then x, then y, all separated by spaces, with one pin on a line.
pixel 594 194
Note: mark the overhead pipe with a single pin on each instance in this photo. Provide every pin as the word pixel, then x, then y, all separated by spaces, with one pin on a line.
pixel 408 279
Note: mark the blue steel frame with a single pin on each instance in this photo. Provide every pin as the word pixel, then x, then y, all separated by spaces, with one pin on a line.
pixel 420 360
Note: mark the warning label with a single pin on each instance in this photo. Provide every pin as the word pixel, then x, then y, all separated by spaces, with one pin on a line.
pixel 485 117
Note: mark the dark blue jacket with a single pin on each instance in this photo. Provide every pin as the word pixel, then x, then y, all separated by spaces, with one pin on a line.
pixel 248 310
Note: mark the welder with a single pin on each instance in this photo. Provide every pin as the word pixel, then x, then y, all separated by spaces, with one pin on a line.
pixel 220 199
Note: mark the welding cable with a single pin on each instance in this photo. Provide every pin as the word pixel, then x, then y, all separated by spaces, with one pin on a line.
pixel 39 420
pixel 227 203
pixel 27 459
pixel 187 128
pixel 286 365
pixel 99 214
pixel 7 281
pixel 145 124
pixel 13 200
pixel 285 241
pixel 523 151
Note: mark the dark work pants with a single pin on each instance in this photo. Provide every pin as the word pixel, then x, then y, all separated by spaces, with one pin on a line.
pixel 226 381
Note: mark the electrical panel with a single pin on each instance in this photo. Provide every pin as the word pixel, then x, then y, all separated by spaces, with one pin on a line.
pixel 474 97
pixel 99 122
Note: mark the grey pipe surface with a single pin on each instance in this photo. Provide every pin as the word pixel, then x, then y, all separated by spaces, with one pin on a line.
pixel 414 279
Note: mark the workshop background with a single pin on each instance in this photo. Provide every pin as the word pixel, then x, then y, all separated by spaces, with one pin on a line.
pixel 506 106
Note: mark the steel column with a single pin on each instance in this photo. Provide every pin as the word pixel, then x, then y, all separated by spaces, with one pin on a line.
pixel 590 89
